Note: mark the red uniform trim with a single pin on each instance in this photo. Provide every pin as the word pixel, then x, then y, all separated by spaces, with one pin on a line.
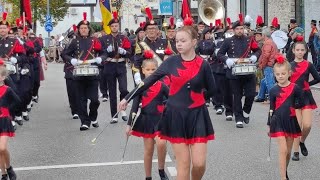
pixel 4 112
pixel 144 135
pixel 310 107
pixel 10 134
pixel 281 134
pixel 187 141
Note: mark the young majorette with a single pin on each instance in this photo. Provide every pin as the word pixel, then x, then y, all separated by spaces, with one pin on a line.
pixel 185 121
pixel 146 123
pixel 8 101
pixel 301 70
pixel 285 97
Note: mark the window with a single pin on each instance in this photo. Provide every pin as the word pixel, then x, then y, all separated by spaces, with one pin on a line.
pixel 243 7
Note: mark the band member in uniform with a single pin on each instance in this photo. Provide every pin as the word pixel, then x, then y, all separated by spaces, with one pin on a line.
pixel 206 49
pixel 171 34
pixel 8 101
pixel 296 36
pixel 117 47
pixel 151 42
pixel 145 125
pixel 200 27
pixel 185 121
pixel 71 82
pixel 84 48
pixel 240 47
pixel 135 47
pixel 259 22
pixel 13 52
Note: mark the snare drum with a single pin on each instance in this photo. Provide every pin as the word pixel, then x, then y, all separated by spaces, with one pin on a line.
pixel 11 68
pixel 244 69
pixel 86 70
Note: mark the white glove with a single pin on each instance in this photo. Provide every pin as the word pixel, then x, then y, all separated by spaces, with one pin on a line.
pixel 13 60
pixel 253 59
pixel 110 48
pixel 74 62
pixel 137 78
pixel 230 63
pixel 122 51
pixel 24 71
pixel 98 60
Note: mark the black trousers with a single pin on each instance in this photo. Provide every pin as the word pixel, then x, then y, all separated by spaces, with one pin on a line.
pixel 113 73
pixel 87 89
pixel 314 55
pixel 243 85
pixel 72 95
pixel 24 91
pixel 103 85
pixel 224 94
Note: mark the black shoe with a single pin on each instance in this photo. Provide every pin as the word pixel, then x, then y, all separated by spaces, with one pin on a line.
pixel 84 127
pixel 20 122
pixel 29 109
pixel 75 116
pixel 148 178
pixel 26 118
pixel 4 177
pixel 12 175
pixel 125 118
pixel 304 150
pixel 239 124
pixel 295 156
pixel 246 120
pixel 163 175
pixel 219 111
pixel 105 99
pixel 287 175
pixel 229 118
pixel 95 124
pixel 259 100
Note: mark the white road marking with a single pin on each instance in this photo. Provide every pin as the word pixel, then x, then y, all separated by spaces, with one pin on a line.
pixel 168 159
pixel 172 171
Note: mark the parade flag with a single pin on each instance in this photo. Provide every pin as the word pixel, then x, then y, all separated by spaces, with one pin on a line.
pixel 185 10
pixel 25 7
pixel 105 8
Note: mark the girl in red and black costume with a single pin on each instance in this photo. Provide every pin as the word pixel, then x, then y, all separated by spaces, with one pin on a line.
pixel 185 121
pixel 8 101
pixel 145 125
pixel 301 70
pixel 285 99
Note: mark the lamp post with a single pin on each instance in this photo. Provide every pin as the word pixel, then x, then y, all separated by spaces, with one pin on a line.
pixel 47 40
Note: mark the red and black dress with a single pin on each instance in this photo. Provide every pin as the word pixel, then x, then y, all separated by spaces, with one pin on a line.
pixel 185 118
pixel 152 106
pixel 300 75
pixel 283 102
pixel 8 100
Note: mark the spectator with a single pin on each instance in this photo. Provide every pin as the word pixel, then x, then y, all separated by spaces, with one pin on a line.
pixel 132 35
pixel 266 61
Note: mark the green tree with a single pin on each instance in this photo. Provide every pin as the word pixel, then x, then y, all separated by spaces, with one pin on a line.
pixel 58 10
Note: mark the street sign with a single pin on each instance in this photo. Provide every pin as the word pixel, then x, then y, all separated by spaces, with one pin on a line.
pixel 48 24
pixel 48 27
pixel 1 9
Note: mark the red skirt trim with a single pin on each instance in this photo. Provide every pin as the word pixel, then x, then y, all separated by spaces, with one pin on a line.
pixel 144 135
pixel 10 134
pixel 313 106
pixel 280 134
pixel 195 140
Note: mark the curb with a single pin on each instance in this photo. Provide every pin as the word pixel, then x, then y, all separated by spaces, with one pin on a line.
pixel 315 87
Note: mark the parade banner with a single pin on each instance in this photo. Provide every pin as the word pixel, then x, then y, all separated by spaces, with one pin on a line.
pixel 165 7
pixel 106 13
pixel 25 7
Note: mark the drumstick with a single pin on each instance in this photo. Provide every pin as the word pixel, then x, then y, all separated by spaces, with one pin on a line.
pixel 91 54
pixel 80 55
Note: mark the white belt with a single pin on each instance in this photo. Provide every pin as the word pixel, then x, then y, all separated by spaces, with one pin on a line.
pixel 116 60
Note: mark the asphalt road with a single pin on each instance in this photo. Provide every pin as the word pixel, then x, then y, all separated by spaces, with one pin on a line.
pixel 51 147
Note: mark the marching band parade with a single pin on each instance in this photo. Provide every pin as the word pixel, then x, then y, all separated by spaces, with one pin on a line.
pixel 163 86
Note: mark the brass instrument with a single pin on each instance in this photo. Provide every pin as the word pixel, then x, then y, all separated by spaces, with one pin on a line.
pixel 210 10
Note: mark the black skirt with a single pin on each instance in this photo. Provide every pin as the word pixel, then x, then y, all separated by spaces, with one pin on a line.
pixel 309 102
pixel 6 128
pixel 146 126
pixel 187 126
pixel 287 127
